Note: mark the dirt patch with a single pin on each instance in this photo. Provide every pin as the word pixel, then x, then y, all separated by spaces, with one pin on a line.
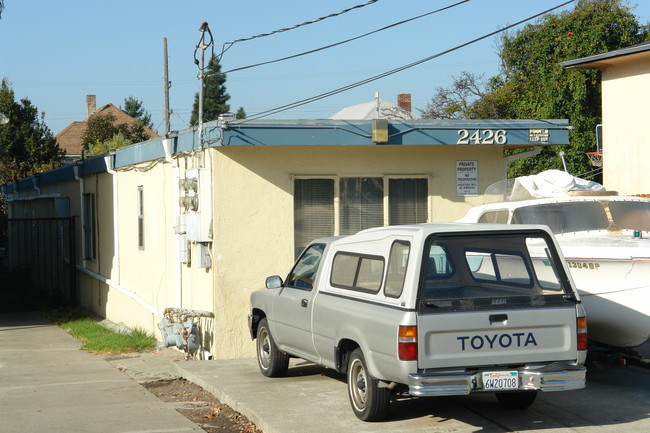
pixel 201 407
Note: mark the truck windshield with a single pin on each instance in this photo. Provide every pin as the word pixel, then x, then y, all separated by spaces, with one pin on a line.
pixel 487 271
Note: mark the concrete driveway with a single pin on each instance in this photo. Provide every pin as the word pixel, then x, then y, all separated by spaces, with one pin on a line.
pixel 312 399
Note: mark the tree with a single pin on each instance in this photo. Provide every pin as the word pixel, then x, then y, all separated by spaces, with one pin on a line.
pixel 115 142
pixel 533 85
pixel 544 89
pixel 27 145
pixel 454 102
pixel 102 130
pixel 241 114
pixel 134 108
pixel 215 97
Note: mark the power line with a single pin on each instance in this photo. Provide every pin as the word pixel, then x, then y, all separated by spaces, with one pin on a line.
pixel 286 107
pixel 229 44
pixel 348 40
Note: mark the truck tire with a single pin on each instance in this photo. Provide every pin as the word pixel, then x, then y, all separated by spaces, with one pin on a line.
pixel 516 399
pixel 272 361
pixel 369 401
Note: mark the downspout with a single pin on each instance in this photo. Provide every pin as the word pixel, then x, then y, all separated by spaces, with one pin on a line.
pixel 109 160
pixel 81 211
pixel 180 237
pixel 16 192
pixel 35 185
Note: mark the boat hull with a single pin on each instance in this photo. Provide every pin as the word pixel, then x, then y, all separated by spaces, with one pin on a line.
pixel 616 297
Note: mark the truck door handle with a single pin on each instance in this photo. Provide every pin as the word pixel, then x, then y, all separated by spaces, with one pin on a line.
pixel 303 303
pixel 501 318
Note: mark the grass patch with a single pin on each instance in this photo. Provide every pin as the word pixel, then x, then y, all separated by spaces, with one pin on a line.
pixel 98 339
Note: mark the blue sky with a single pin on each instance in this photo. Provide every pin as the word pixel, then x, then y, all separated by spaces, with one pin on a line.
pixel 55 53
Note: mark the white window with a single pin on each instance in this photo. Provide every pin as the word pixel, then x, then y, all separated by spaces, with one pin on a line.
pixel 89 227
pixel 345 205
pixel 362 203
pixel 140 217
pixel 408 200
pixel 313 211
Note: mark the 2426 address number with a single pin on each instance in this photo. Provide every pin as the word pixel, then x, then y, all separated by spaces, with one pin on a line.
pixel 482 136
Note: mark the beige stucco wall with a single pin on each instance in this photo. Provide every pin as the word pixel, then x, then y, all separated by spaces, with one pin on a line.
pixel 252 226
pixel 154 274
pixel 253 223
pixel 626 136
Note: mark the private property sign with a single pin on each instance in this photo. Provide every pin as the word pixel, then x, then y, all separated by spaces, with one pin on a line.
pixel 466 178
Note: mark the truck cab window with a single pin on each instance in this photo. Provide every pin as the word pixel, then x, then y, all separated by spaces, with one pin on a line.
pixel 303 273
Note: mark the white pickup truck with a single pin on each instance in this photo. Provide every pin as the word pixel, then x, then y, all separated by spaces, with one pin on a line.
pixel 428 310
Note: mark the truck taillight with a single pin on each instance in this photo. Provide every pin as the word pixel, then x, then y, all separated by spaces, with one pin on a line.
pixel 407 343
pixel 582 333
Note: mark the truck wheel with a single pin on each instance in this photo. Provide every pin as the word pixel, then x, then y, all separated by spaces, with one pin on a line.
pixel 272 361
pixel 516 399
pixel 369 401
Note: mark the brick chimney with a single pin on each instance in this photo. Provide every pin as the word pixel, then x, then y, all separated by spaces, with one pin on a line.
pixel 404 101
pixel 91 104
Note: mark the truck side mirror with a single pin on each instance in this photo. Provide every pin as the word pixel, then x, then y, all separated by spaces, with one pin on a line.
pixel 274 282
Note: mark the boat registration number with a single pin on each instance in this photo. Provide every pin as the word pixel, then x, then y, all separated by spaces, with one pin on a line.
pixel 497 380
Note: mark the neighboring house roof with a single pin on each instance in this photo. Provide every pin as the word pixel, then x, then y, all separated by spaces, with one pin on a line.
pixel 70 139
pixel 376 109
pixel 602 60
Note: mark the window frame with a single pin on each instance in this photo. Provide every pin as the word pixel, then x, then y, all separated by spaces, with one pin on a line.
pixel 391 256
pixel 360 258
pixel 89 226
pixel 336 199
pixel 290 280
pixel 140 212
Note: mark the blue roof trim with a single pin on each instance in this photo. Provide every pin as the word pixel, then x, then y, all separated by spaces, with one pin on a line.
pixel 86 167
pixel 308 133
pixel 138 152
pixel 410 132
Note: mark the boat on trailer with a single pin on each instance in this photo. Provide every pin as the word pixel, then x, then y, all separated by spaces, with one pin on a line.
pixel 605 239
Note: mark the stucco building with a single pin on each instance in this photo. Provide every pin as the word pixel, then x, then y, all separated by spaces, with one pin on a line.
pixel 199 220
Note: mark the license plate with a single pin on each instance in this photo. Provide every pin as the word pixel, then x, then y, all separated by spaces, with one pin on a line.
pixel 496 380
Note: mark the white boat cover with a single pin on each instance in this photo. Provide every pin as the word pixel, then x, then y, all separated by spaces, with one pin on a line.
pixel 551 183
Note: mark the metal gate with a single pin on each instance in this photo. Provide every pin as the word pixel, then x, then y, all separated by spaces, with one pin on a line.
pixel 45 247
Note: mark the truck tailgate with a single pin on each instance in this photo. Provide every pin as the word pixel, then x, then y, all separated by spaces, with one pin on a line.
pixel 496 337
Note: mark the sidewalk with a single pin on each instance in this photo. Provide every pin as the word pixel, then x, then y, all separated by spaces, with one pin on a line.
pixel 48 385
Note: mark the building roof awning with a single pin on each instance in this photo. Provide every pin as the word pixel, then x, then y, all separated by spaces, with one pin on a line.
pixel 600 61
pixel 509 134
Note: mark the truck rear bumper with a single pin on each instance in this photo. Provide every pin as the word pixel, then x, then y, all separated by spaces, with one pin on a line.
pixel 558 376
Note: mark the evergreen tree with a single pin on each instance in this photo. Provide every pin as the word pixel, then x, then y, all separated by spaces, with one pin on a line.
pixel 134 108
pixel 241 114
pixel 215 97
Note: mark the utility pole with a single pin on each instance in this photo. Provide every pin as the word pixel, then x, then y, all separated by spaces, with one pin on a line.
pixel 167 86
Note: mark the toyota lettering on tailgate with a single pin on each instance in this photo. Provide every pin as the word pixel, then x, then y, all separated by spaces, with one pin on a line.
pixel 479 342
